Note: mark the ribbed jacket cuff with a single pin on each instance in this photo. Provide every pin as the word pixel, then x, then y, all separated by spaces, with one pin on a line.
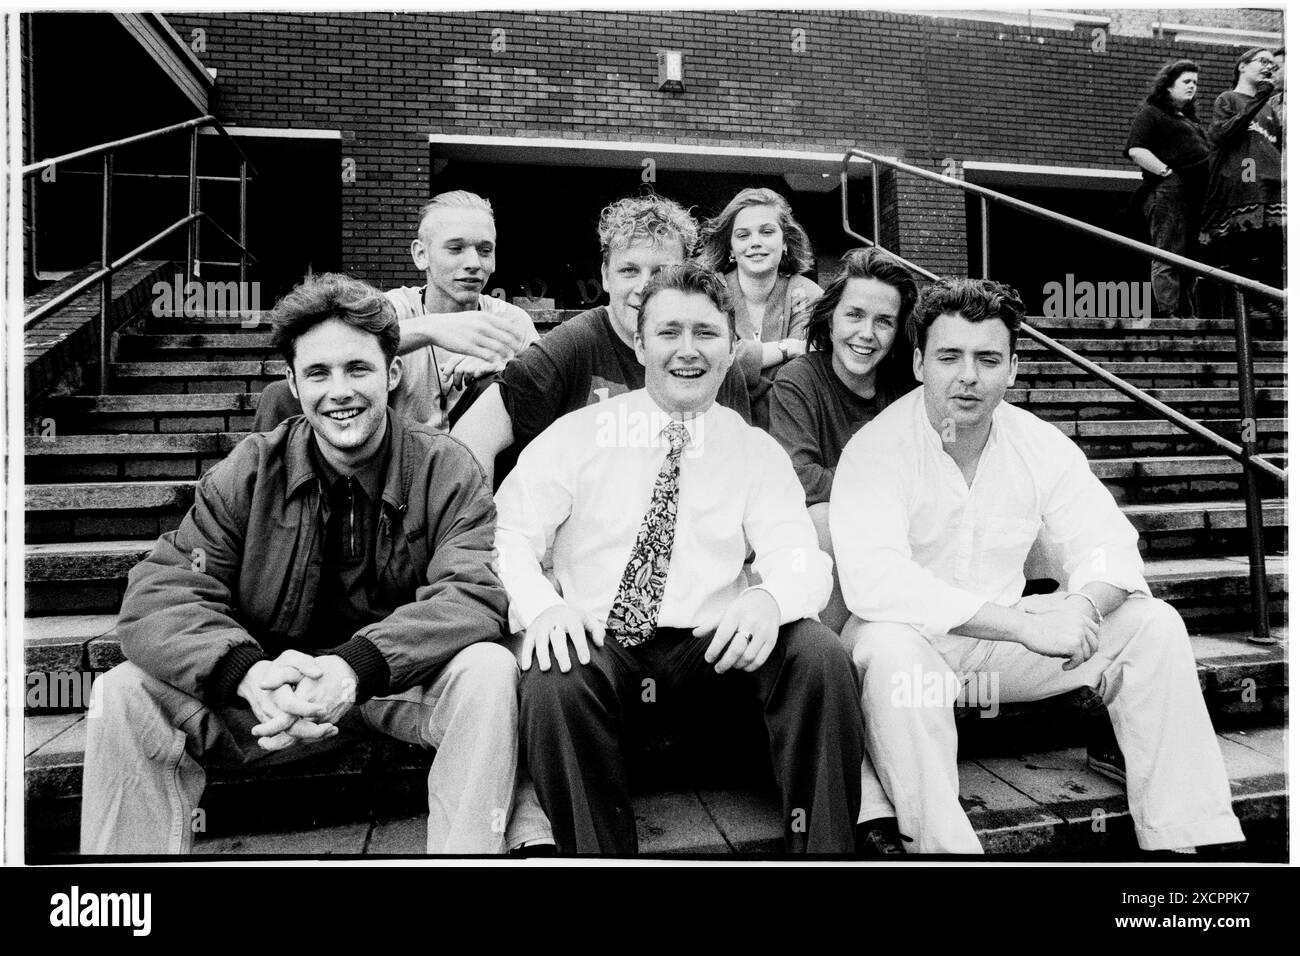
pixel 371 669
pixel 230 670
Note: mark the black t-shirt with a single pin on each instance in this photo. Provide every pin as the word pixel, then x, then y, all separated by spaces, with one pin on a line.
pixel 814 415
pixel 582 362
pixel 1176 140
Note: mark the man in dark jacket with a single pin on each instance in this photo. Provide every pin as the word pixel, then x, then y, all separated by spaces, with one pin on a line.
pixel 332 579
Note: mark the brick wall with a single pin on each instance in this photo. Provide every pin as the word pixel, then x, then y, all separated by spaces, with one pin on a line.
pixel 923 89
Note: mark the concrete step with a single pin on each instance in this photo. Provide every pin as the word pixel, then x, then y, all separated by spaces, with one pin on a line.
pixel 1057 326
pixel 1214 592
pixel 1109 396
pixel 1172 466
pixel 69 458
pixel 110 496
pixel 131 509
pixel 1122 438
pixel 1040 804
pixel 105 510
pixel 1199 515
pixel 230 344
pixel 1090 404
pixel 83 644
pixel 1148 375
pixel 1166 478
pixel 117 414
pixel 241 318
pixel 1204 528
pixel 1159 347
pixel 159 345
pixel 195 377
pixel 79 577
pixel 61 565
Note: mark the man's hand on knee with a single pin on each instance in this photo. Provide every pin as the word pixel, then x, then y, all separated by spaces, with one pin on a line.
pixel 553 630
pixel 1062 629
pixel 746 634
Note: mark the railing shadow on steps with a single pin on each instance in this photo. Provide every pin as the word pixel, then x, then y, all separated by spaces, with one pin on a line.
pixel 103 276
pixel 1246 452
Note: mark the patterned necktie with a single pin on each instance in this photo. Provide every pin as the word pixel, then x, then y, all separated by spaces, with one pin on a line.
pixel 635 613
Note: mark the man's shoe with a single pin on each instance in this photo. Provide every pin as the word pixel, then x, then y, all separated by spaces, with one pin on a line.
pixel 879 837
pixel 1104 755
pixel 533 850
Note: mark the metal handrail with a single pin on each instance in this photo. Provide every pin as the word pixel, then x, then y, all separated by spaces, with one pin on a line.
pixel 1244 453
pixel 116 144
pixel 109 267
pixel 102 272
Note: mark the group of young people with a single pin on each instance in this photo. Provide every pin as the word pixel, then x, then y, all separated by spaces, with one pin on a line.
pixel 348 570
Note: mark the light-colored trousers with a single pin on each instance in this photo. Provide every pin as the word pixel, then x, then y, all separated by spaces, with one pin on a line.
pixel 147 744
pixel 1145 672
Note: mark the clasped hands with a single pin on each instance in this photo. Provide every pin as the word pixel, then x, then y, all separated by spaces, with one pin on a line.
pixel 297 697
pixel 742 640
pixel 1060 625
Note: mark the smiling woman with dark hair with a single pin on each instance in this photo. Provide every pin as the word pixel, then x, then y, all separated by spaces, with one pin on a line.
pixel 858 362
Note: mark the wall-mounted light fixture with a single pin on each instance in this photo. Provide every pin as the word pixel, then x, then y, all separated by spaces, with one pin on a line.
pixel 671 75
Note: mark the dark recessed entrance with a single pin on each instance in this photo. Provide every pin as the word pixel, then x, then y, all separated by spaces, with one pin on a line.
pixel 547 214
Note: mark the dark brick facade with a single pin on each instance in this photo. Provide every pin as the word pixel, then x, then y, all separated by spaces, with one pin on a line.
pixel 923 89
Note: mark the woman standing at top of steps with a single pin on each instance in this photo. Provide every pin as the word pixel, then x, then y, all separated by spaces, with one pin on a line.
pixel 1167 143
pixel 763 250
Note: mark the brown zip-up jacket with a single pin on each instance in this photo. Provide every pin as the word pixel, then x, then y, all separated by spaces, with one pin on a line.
pixel 236 582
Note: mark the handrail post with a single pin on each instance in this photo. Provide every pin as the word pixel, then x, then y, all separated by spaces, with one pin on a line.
pixel 192 238
pixel 1262 633
pixel 875 203
pixel 105 262
pixel 243 225
pixel 986 271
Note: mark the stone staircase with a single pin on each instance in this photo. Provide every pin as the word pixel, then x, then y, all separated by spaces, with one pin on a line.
pixel 120 469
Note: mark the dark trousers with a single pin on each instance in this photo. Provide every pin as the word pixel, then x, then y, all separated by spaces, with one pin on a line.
pixel 1171 223
pixel 573 727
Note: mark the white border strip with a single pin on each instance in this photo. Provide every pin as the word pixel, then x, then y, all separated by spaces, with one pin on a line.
pixel 277 132
pixel 649 149
pixel 1191 33
pixel 1028 169
pixel 1017 17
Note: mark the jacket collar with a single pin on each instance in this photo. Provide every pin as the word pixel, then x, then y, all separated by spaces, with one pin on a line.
pixel 299 472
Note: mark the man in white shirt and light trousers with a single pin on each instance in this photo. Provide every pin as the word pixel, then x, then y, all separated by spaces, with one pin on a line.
pixel 651 502
pixel 934 508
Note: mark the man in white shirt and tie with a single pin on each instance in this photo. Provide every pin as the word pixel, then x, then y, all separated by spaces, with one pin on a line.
pixel 650 502
pixel 933 511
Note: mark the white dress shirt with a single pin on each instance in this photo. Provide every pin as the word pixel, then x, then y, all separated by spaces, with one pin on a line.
pixel 582 487
pixel 915 545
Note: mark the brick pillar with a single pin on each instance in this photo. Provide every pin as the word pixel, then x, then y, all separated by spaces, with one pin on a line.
pixel 379 208
pixel 931 224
